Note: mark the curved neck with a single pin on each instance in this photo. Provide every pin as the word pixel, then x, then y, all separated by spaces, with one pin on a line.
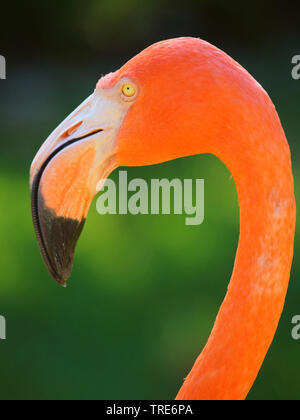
pixel 249 315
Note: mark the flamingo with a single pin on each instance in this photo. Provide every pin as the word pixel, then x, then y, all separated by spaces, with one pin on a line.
pixel 178 98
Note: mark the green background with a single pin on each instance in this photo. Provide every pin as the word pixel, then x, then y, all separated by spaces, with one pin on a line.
pixel 145 290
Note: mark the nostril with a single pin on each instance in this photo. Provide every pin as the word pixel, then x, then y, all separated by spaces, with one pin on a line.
pixel 71 130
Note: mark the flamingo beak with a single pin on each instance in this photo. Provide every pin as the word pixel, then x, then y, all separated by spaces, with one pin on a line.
pixel 65 175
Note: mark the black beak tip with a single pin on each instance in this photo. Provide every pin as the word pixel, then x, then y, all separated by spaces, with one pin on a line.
pixel 57 238
pixel 60 277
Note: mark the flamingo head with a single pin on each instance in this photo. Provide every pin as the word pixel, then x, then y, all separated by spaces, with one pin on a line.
pixel 159 106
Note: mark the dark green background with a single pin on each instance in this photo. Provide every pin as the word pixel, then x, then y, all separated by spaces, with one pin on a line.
pixel 145 289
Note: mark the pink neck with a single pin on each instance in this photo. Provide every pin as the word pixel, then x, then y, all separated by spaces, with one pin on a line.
pixel 248 318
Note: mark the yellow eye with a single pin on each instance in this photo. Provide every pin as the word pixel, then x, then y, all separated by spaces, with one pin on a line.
pixel 128 90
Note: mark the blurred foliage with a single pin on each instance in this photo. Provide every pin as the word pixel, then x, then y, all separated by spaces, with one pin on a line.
pixel 145 289
pixel 73 30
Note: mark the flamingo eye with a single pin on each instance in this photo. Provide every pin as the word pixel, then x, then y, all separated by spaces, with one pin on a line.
pixel 128 90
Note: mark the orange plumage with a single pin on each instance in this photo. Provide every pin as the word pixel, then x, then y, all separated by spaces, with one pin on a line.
pixel 193 98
